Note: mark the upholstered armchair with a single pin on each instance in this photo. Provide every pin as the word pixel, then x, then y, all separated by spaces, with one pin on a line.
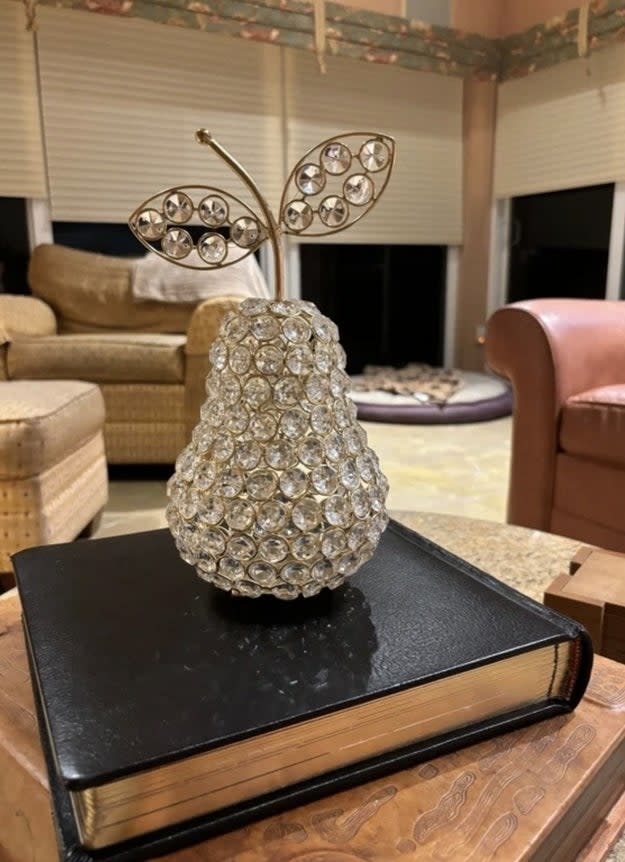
pixel 566 362
pixel 149 359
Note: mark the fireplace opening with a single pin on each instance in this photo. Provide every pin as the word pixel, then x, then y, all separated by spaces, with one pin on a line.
pixel 387 300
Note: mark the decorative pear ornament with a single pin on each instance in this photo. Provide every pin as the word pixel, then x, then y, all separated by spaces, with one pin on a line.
pixel 277 493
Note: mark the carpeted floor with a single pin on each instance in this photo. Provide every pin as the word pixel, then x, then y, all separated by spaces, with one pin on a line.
pixel 452 469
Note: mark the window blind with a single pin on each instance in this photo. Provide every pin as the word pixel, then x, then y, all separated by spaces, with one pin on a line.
pixel 563 127
pixel 21 153
pixel 423 201
pixel 122 100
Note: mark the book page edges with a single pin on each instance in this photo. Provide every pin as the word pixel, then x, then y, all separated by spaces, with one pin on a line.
pixel 160 797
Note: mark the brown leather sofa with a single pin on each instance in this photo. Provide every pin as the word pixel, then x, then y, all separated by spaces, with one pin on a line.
pixel 566 362
pixel 149 359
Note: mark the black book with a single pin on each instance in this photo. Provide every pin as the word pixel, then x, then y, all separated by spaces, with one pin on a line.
pixel 170 711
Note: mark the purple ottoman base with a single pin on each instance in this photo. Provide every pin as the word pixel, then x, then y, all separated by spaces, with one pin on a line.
pixel 431 414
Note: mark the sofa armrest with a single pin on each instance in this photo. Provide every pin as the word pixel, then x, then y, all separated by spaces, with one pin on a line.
pixel 203 329
pixel 550 349
pixel 25 317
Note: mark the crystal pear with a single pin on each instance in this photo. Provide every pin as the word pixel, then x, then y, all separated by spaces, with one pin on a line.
pixel 277 493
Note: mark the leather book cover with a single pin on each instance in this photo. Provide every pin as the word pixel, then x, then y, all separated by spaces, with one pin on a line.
pixel 139 663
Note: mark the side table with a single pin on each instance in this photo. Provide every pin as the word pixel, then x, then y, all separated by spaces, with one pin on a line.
pixel 503 799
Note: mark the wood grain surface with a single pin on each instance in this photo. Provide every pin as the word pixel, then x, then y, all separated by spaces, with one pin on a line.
pixel 545 792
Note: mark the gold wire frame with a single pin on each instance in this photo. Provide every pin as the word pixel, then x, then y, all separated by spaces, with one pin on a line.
pixel 269 228
pixel 227 223
pixel 366 208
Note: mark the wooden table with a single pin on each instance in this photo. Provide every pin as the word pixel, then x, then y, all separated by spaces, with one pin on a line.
pixel 492 801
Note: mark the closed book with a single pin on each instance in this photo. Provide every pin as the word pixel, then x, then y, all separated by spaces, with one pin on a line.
pixel 172 711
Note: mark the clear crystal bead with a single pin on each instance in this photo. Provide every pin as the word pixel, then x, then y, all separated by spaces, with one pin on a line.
pixel 340 414
pixel 230 568
pixel 212 248
pixel 284 307
pixel 211 511
pixel 310 179
pixel 286 592
pixel 321 420
pixel 293 423
pixel 296 330
pixel 280 455
pixel 333 211
pixel 240 359
pixel 311 589
pixel 230 388
pixel 348 473
pixel 337 511
pixel 264 327
pixel 218 355
pixel 336 158
pixel 241 548
pixel 263 426
pixel 324 358
pixel 335 582
pixel 316 388
pixel 261 485
pixel 298 215
pixel 188 506
pixel 358 190
pixel 253 306
pixel 245 232
pixel 311 451
pixel 324 479
pixel 256 391
pixel 237 328
pixel 185 464
pixel 223 447
pixel 150 224
pixel 207 565
pixel 222 583
pixel 247 589
pixel 204 475
pixel 237 419
pixel 214 542
pixel 272 515
pixel 202 438
pixel 305 547
pixel 213 210
pixel 247 454
pixel 324 329
pixel 262 573
pixel 356 535
pixel 333 543
pixel 293 483
pixel 215 415
pixel 287 392
pixel 322 570
pixel 334 446
pixel 230 483
pixel 360 503
pixel 352 441
pixel 306 514
pixel 365 466
pixel 374 155
pixel 268 359
pixel 339 382
pixel 177 243
pixel 295 573
pixel 273 549
pixel 178 207
pixel 299 359
pixel 348 564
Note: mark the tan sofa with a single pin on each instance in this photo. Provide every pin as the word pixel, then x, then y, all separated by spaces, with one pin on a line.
pixel 149 359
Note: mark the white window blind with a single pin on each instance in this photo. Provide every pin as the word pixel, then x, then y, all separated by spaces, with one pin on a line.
pixel 122 100
pixel 562 127
pixel 423 202
pixel 21 153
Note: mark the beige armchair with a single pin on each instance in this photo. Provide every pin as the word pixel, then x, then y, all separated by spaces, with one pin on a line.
pixel 148 358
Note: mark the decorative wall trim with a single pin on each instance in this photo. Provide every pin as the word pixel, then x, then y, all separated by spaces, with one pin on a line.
pixel 387 39
pixel 359 35
pixel 558 39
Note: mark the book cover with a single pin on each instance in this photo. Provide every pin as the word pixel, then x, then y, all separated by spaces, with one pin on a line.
pixel 139 665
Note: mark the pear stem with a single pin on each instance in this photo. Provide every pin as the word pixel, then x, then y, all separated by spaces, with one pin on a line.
pixel 203 136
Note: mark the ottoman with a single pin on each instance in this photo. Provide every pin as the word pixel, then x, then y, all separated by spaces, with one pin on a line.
pixel 53 478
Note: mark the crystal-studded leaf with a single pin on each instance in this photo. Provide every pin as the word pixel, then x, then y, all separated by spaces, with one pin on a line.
pixel 198 227
pixel 336 183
